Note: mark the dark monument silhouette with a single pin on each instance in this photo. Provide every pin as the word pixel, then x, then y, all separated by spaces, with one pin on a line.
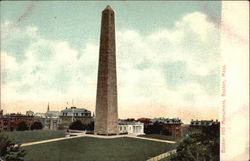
pixel 106 120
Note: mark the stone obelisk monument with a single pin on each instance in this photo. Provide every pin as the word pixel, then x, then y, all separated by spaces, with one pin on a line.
pixel 106 119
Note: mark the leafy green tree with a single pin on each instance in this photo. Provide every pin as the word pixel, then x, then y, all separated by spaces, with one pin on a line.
pixel 76 125
pixel 36 125
pixel 22 126
pixel 199 146
pixel 157 128
pixel 90 126
pixel 9 151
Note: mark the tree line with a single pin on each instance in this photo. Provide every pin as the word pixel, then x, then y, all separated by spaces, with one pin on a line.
pixel 78 125
pixel 22 126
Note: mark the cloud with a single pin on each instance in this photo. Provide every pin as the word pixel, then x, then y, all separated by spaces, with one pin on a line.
pixel 194 40
pixel 168 68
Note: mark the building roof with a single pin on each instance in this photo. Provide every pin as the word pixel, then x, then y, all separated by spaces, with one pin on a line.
pixel 4 117
pixel 204 122
pixel 124 122
pixel 39 114
pixel 15 115
pixel 167 120
pixel 52 114
pixel 75 109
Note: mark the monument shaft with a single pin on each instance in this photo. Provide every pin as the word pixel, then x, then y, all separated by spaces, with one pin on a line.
pixel 106 120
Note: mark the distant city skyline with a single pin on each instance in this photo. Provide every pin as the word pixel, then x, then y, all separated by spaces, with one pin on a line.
pixel 168 57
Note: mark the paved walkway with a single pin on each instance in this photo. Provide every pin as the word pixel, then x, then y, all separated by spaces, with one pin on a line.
pixel 161 156
pixel 49 140
pixel 152 139
pixel 77 135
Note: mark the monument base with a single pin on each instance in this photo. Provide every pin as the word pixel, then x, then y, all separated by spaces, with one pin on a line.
pixel 106 134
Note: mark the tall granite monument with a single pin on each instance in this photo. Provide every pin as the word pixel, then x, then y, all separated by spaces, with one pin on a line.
pixel 106 119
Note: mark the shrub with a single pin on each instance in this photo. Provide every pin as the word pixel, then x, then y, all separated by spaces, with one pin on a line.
pixel 22 126
pixel 90 126
pixel 36 125
pixel 9 151
pixel 76 125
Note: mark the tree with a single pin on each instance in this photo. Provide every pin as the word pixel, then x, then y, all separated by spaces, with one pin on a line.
pixel 36 125
pixel 166 132
pixel 90 126
pixel 61 127
pixel 157 128
pixel 22 126
pixel 199 146
pixel 76 125
pixel 9 151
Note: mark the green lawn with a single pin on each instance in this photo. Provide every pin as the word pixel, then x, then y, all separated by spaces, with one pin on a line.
pixel 96 149
pixel 35 135
pixel 165 159
pixel 162 137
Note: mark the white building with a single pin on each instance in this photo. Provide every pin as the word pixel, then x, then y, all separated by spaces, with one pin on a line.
pixel 39 115
pixel 131 127
pixel 52 120
pixel 29 113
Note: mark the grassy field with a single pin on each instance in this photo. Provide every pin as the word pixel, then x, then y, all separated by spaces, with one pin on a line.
pixel 165 159
pixel 35 135
pixel 162 137
pixel 96 149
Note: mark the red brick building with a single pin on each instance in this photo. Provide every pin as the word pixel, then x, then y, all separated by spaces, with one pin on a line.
pixel 172 125
pixel 198 125
pixel 4 124
pixel 145 121
pixel 10 122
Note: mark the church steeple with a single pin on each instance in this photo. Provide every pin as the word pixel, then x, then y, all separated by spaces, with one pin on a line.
pixel 48 107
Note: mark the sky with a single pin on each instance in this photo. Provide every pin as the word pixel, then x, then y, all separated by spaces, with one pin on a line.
pixel 168 57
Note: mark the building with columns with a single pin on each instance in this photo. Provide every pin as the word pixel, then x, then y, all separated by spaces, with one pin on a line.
pixel 130 127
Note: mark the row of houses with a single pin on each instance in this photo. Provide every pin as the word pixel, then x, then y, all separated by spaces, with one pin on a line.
pixel 9 122
pixel 175 126
pixel 54 120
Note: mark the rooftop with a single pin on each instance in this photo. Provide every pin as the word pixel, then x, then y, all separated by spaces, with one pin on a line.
pixel 167 120
pixel 204 122
pixel 123 122
pixel 75 109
